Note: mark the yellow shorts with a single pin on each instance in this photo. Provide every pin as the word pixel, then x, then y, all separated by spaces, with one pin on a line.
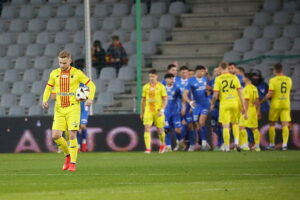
pixel 284 114
pixel 151 118
pixel 67 118
pixel 252 121
pixel 229 114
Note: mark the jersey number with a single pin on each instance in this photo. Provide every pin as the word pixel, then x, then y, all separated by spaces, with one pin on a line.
pixel 225 85
pixel 283 88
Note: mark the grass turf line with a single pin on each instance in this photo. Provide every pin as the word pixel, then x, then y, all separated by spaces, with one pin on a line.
pixel 134 175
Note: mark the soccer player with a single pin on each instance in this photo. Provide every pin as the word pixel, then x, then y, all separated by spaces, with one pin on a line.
pixel 82 133
pixel 65 81
pixel 279 90
pixel 216 126
pixel 228 89
pixel 172 69
pixel 252 108
pixel 197 86
pixel 172 112
pixel 153 104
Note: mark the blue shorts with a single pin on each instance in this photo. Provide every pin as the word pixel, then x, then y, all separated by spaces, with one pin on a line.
pixel 214 121
pixel 188 118
pixel 172 120
pixel 84 114
pixel 200 110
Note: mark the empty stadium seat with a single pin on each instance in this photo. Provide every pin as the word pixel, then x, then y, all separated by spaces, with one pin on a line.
pixel 25 38
pixel 281 18
pixel 149 22
pixel 35 110
pixel 79 37
pixel 65 11
pixel 6 39
pixel 79 12
pixel 291 31
pixel 129 47
pixel 3 27
pixel 296 17
pixel 46 74
pixel 5 63
pixel 296 45
pixel 22 63
pixel 73 24
pixel 19 88
pixel 36 25
pixel 27 12
pixel 158 8
pixel 100 85
pixel 2 112
pixel 282 44
pixel 16 111
pixel 9 12
pixel 16 25
pixel 272 32
pixel 31 75
pixel 38 87
pixel 167 21
pixel 46 11
pixel 101 36
pixel 101 10
pixel 126 74
pixel 110 24
pixel 291 5
pixel 15 51
pixel 62 38
pixel 272 5
pixel 105 99
pixel 252 54
pixel 148 48
pixel 98 109
pixel 262 18
pixel 262 45
pixel 52 50
pixel 128 23
pixel 8 100
pixel 2 51
pixel 54 24
pixel 232 56
pixel 143 9
pixel 242 45
pixel 43 38
pixel 74 49
pixel 34 50
pixel 38 1
pixel 122 35
pixel 27 100
pixel 116 86
pixel 4 87
pixel 120 9
pixel 20 2
pixel 108 73
pixel 177 8
pixel 157 35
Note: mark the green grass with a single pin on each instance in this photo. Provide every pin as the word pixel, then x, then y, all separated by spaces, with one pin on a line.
pixel 172 176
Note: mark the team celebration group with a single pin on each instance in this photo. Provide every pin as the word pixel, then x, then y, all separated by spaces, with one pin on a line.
pixel 179 106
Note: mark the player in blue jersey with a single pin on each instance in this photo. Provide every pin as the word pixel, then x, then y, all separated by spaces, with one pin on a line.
pixel 172 112
pixel 215 125
pixel 82 133
pixel 172 69
pixel 200 104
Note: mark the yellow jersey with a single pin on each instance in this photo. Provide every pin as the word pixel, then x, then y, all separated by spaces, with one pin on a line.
pixel 65 84
pixel 250 93
pixel 281 86
pixel 227 85
pixel 153 96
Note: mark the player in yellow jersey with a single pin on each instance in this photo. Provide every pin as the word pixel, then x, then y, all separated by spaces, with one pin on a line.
pixel 279 90
pixel 252 108
pixel 65 81
pixel 228 89
pixel 153 104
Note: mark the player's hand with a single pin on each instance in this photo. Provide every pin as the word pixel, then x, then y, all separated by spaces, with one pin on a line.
pixel 192 104
pixel 160 113
pixel 259 115
pixel 45 105
pixel 142 116
pixel 245 116
pixel 88 102
pixel 212 107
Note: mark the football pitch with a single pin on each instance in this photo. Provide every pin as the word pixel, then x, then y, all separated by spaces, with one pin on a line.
pixel 136 176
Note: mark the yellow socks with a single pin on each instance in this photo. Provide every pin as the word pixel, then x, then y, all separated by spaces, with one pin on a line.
pixel 73 149
pixel 147 138
pixel 243 137
pixel 62 144
pixel 226 136
pixel 285 136
pixel 272 135
pixel 236 133
pixel 162 138
pixel 256 135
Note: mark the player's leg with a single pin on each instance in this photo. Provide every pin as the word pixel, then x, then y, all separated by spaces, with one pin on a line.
pixel 168 138
pixel 273 117
pixel 224 119
pixel 83 131
pixel 243 143
pixel 147 121
pixel 285 118
pixel 176 121
pixel 256 135
pixel 159 123
pixel 203 130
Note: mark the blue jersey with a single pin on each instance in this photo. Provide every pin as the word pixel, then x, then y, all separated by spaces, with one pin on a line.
pixel 240 77
pixel 176 79
pixel 262 91
pixel 174 96
pixel 211 83
pixel 84 110
pixel 197 86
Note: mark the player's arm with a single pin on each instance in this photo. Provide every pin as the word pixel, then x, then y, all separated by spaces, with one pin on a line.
pixel 164 97
pixel 268 96
pixel 257 105
pixel 143 103
pixel 244 108
pixel 214 99
pixel 48 90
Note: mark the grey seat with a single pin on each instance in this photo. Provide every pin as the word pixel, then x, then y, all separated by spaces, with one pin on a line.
pixel 282 44
pixel 129 47
pixel 281 18
pixel 110 24
pixel 5 63
pixel 148 48
pixel 8 100
pixel 116 86
pixel 34 50
pixel 101 36
pixel 9 12
pixel 38 87
pixel 291 5
pixel 52 50
pixel 292 61
pixel 74 49
pixel 95 24
pixel 101 10
pixel 16 111
pixel 262 19
pixel 4 87
pixel 120 9
pixel 15 51
pixel 43 38
pixel 252 32
pixel 62 38
pixel 27 100
pixel 38 1
pixel 6 39
pixel 232 56
pixel 177 8
pixel 149 22
pixel 100 85
pixel 46 11
pixel 35 110
pixel 46 74
pixel 157 35
pixel 98 109
pixel 19 2
pixel 25 38
pixel 11 75
pixel 22 63
pixel 167 21
pixel 16 25
pixel 108 73
pixel 126 74
pixel 272 61
pixel 128 23
pixel 122 35
pixel 19 88
pixel 132 60
pixel 242 45
pixel 3 26
pixel 2 112
pixel 292 31
pixel 73 24
pixel 2 51
pixel 296 17
pixel 36 25
pixel 158 8
pixel 27 12
pixel 143 9
pixel 296 45
pixel 272 32
pixel 54 24
pixel 272 5
pixel 105 99
pixel 262 45
pixel 79 37
pixel 252 54
pixel 31 75
pixel 65 11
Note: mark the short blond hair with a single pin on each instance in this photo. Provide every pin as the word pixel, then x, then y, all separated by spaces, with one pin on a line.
pixel 64 54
